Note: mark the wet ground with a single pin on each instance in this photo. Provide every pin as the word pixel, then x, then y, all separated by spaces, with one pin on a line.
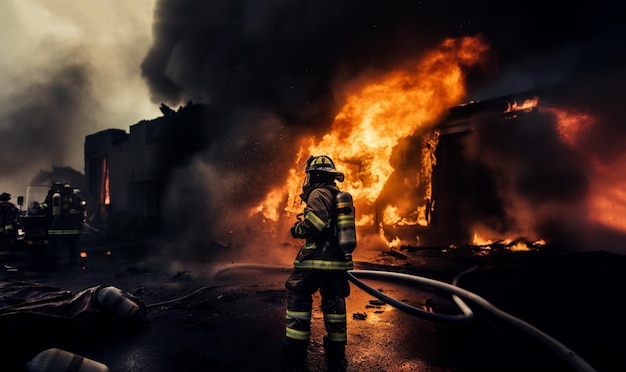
pixel 204 317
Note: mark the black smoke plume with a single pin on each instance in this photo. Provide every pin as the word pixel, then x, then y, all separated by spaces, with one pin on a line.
pixel 46 124
pixel 284 61
pixel 288 56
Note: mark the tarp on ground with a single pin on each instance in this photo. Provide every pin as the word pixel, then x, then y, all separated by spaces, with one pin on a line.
pixel 36 316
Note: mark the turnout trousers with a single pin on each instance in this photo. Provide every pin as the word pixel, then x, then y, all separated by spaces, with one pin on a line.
pixel 334 288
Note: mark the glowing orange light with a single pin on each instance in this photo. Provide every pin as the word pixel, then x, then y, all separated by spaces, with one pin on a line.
pixel 607 202
pixel 390 215
pixel 376 115
pixel 375 118
pixel 519 246
pixel 380 111
pixel 105 192
pixel 479 240
pixel 527 106
pixel 571 124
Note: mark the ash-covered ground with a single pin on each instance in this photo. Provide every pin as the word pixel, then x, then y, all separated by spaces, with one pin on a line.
pixel 213 314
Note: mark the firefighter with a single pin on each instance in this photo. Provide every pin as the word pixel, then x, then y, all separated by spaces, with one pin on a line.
pixel 8 222
pixel 319 265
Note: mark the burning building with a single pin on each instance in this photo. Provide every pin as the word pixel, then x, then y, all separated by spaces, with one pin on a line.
pixel 131 176
pixel 423 170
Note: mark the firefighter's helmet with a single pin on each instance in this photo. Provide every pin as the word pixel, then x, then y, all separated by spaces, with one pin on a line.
pixel 325 165
pixel 5 196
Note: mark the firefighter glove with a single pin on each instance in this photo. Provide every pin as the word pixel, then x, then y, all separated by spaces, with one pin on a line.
pixel 294 230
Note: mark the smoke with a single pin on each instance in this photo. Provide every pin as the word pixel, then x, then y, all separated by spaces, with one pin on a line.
pixel 69 69
pixel 35 130
pixel 288 56
pixel 282 56
pixel 558 185
pixel 273 69
pixel 290 60
pixel 209 201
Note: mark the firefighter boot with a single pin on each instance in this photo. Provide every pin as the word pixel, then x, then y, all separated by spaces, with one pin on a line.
pixel 294 354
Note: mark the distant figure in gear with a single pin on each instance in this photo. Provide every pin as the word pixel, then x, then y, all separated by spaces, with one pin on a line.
pixel 319 265
pixel 8 222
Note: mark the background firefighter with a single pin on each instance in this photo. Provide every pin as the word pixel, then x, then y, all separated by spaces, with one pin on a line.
pixel 320 264
pixel 8 223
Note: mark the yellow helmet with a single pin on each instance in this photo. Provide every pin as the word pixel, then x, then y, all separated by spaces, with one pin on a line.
pixel 324 164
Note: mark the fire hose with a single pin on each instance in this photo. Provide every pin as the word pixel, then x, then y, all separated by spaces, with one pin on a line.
pixel 458 295
pixel 570 357
pixel 466 313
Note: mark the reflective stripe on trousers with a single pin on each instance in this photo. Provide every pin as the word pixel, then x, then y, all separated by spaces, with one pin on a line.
pixel 336 327
pixel 298 317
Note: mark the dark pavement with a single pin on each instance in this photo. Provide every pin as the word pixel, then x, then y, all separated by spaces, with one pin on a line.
pixel 206 317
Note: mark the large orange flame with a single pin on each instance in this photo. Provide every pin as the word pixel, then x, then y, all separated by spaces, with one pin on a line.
pixel 376 117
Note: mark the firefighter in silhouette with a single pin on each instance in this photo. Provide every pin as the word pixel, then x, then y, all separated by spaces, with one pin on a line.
pixel 63 206
pixel 319 265
pixel 8 222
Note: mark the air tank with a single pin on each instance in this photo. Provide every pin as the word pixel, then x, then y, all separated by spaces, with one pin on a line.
pixel 57 360
pixel 113 299
pixel 346 226
pixel 56 204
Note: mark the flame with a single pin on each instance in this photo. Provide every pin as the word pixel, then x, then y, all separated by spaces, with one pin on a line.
pixel 528 105
pixel 365 220
pixel 105 192
pixel 391 216
pixel 395 242
pixel 510 244
pixel 271 206
pixel 479 240
pixel 375 118
pixel 519 246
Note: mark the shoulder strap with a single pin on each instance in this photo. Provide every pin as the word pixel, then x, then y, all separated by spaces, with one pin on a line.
pixel 333 217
